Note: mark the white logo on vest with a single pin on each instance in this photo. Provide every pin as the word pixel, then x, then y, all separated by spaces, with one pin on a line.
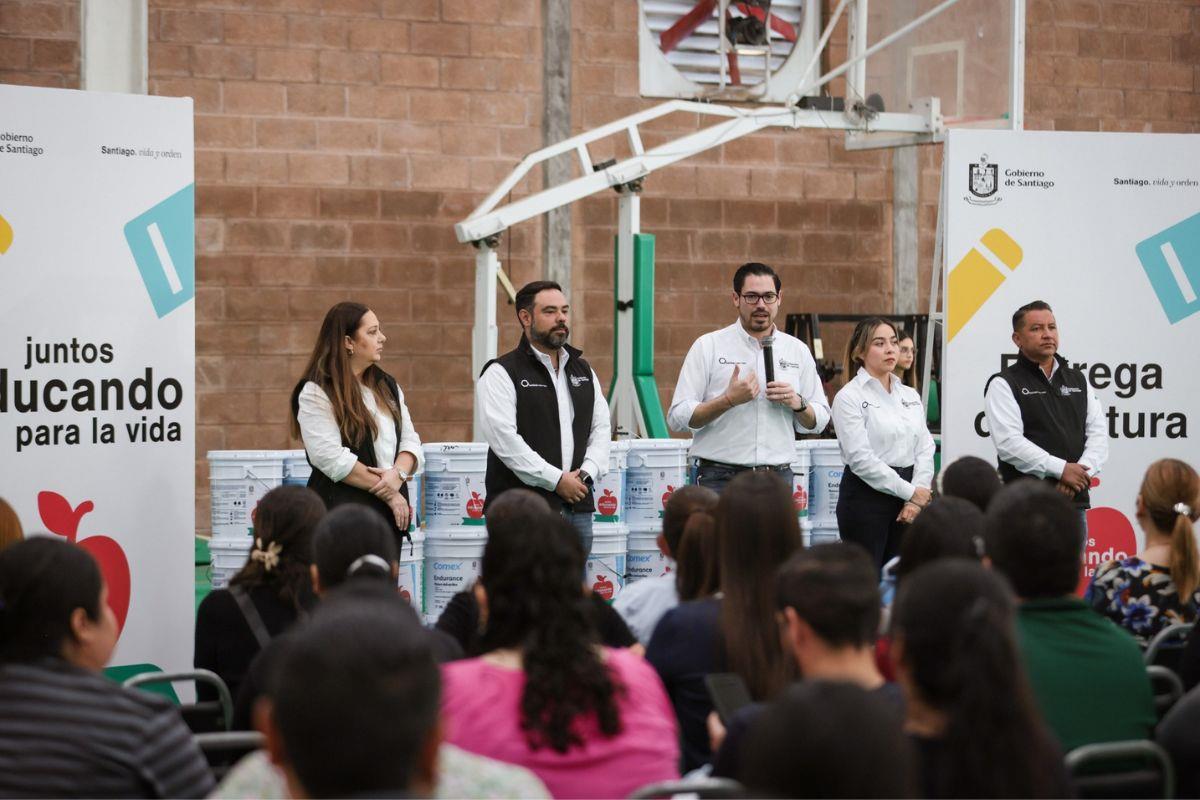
pixel 527 385
pixel 579 380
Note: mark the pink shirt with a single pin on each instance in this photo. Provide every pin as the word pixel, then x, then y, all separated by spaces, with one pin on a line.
pixel 481 712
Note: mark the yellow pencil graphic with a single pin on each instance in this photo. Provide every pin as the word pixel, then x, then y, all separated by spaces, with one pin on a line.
pixel 974 279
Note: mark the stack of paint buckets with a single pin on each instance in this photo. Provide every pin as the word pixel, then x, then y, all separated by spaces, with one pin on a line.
pixel 610 535
pixel 237 480
pixel 825 480
pixel 654 469
pixel 453 493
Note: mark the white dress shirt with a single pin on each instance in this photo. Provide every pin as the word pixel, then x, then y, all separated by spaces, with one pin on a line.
pixel 878 431
pixel 758 432
pixel 496 397
pixel 643 603
pixel 1007 429
pixel 323 439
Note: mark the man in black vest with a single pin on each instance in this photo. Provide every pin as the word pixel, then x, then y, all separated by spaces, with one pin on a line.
pixel 543 413
pixel 1043 417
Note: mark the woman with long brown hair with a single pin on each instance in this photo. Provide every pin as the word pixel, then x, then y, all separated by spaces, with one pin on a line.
pixel 734 630
pixel 1160 586
pixel 885 444
pixel 351 416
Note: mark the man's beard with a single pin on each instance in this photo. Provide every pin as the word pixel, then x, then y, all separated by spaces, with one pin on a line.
pixel 552 339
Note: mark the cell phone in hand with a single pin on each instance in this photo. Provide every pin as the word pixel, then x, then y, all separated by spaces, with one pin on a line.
pixel 728 693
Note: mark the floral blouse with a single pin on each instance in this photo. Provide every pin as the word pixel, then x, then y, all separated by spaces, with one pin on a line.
pixel 1140 597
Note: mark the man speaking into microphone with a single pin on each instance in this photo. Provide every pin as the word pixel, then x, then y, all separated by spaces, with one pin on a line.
pixel 746 389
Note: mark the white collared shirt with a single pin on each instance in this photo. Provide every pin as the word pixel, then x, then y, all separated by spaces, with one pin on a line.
pixel 323 439
pixel 496 397
pixel 878 430
pixel 758 432
pixel 1007 430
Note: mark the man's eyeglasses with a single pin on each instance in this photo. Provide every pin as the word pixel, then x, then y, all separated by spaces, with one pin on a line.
pixel 752 298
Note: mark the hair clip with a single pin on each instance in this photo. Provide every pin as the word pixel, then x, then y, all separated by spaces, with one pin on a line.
pixel 1183 508
pixel 363 561
pixel 269 556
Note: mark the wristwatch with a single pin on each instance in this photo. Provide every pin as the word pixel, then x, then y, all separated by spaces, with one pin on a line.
pixel 404 476
pixel 587 479
pixel 803 405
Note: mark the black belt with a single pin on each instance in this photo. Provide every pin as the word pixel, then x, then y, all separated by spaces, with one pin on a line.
pixel 704 462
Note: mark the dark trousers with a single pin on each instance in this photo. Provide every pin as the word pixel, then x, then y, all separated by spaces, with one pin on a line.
pixel 717 476
pixel 868 518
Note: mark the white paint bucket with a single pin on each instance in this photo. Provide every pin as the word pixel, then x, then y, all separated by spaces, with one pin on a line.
pixel 452 561
pixel 416 489
pixel 610 490
pixel 827 468
pixel 238 479
pixel 656 468
pixel 296 469
pixel 454 490
pixel 605 566
pixel 825 535
pixel 228 558
pixel 412 571
pixel 801 476
pixel 643 559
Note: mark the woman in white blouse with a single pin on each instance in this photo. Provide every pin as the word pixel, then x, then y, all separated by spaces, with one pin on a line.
pixel 887 448
pixel 357 432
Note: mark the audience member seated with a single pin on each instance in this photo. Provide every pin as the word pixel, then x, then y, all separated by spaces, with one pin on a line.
pixel 65 729
pixel 459 773
pixel 267 595
pixel 1087 674
pixel 972 479
pixel 355 705
pixel 10 525
pixel 642 603
pixel 828 739
pixel 1179 735
pixel 949 527
pixel 1160 586
pixel 827 602
pixel 510 515
pixel 969 711
pixel 736 630
pixel 589 720
pixel 351 544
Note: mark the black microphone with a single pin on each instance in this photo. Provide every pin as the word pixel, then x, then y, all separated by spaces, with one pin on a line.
pixel 768 359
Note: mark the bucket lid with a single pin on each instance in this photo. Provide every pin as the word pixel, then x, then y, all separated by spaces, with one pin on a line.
pixel 246 455
pixel 454 448
pixel 659 444
pixel 619 446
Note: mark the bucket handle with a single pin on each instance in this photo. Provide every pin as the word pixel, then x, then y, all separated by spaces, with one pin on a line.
pixel 250 474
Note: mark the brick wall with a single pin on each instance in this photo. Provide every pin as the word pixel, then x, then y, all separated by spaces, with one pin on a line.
pixel 39 43
pixel 337 141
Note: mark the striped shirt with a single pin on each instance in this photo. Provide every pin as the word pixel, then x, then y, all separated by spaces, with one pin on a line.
pixel 68 732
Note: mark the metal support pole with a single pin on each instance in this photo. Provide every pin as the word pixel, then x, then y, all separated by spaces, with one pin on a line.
pixel 483 336
pixel 623 401
pixel 936 317
pixel 856 76
pixel 114 46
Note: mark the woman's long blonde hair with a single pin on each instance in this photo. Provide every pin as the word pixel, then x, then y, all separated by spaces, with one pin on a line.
pixel 1169 483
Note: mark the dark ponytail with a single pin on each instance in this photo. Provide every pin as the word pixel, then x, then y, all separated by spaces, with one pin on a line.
pixel 353 541
pixel 43 580
pixel 532 573
pixel 697 564
pixel 284 521
pixel 954 620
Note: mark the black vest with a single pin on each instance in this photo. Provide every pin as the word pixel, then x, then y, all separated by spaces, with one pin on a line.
pixel 336 493
pixel 1054 412
pixel 537 419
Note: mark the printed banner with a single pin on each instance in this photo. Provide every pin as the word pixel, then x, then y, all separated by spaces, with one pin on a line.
pixel 97 350
pixel 1105 227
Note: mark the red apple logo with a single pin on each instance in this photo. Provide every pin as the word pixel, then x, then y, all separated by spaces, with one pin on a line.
pixel 1110 537
pixel 603 587
pixel 60 518
pixel 607 503
pixel 475 506
pixel 667 494
pixel 406 595
pixel 800 499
